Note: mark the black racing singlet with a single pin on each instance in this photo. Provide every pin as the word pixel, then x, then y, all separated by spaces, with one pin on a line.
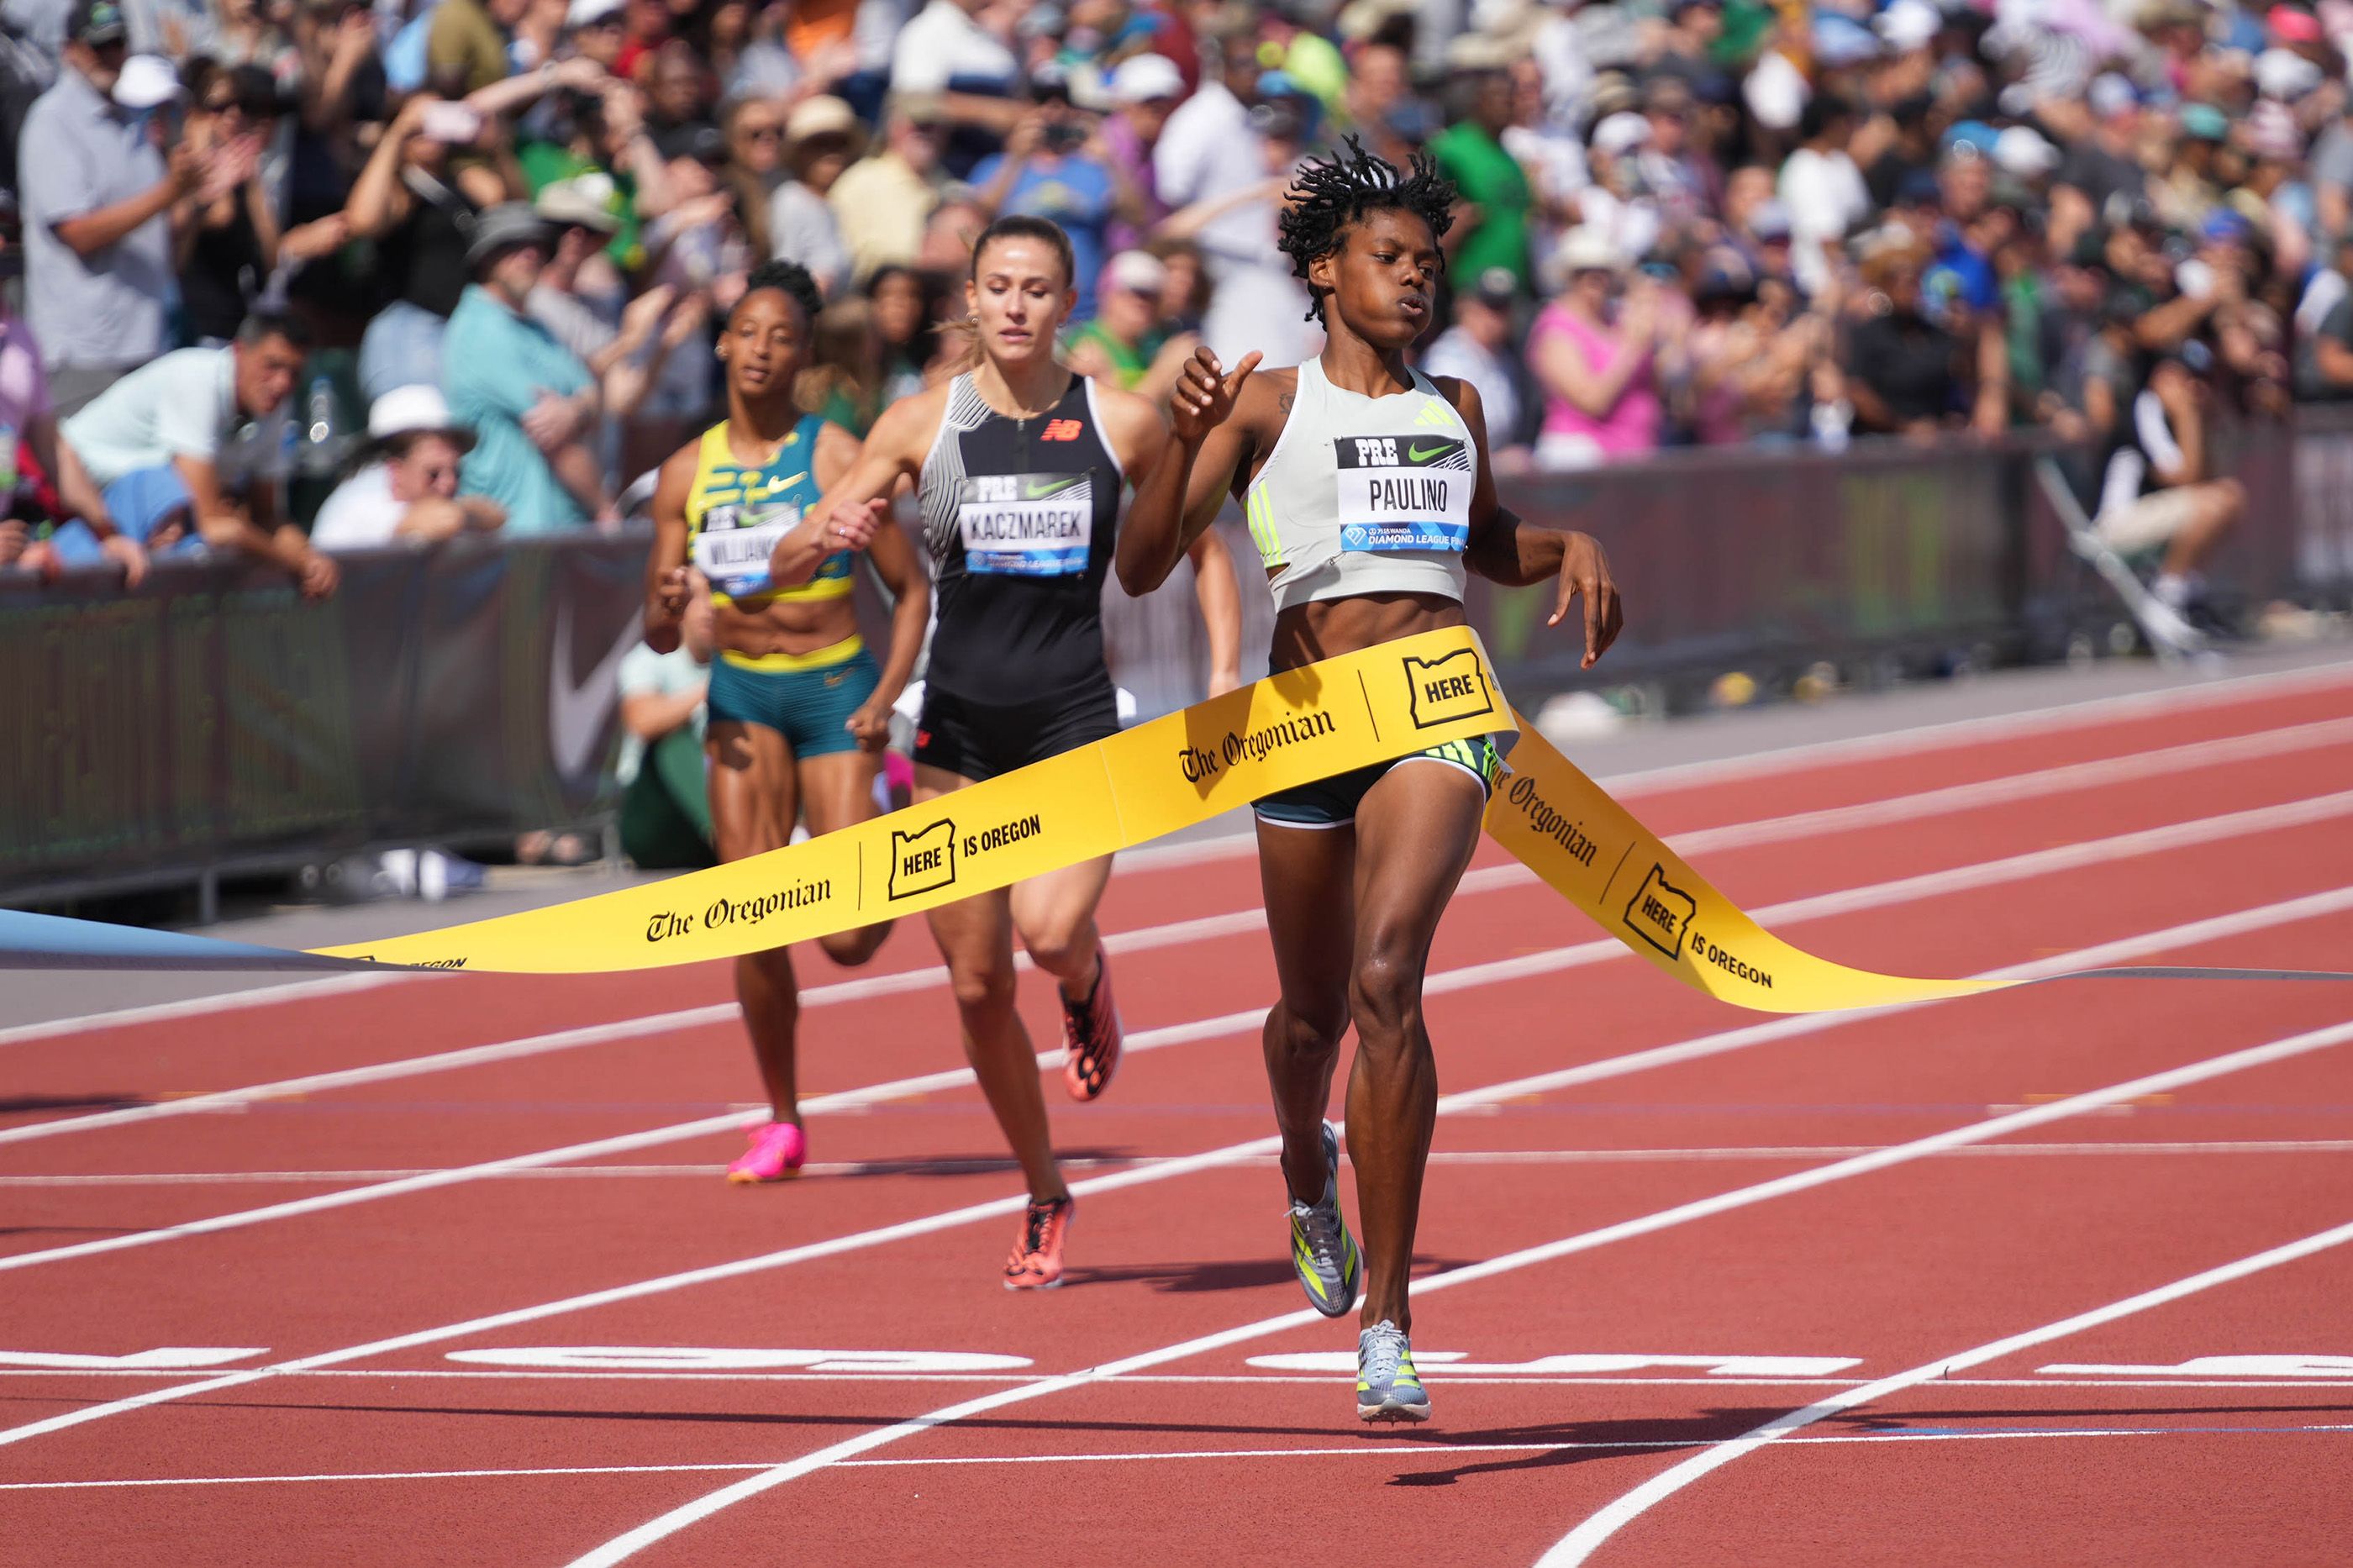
pixel 1020 515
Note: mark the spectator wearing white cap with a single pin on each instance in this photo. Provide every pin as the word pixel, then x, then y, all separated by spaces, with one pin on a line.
pixel 1908 25
pixel 406 487
pixel 595 31
pixel 822 138
pixel 882 201
pixel 1125 344
pixel 625 358
pixel 1617 206
pixel 1145 90
pixel 98 199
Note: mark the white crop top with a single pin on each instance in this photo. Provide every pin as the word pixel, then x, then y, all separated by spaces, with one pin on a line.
pixel 1364 495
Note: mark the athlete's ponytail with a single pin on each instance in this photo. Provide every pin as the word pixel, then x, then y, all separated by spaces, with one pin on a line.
pixel 1012 226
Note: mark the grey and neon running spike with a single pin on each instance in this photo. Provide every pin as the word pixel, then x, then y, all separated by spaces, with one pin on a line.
pixel 1387 1388
pixel 1322 1251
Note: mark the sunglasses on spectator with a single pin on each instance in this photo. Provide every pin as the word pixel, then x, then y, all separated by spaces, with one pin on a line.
pixel 763 132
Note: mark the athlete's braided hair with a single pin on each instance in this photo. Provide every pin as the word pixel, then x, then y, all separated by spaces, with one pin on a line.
pixel 1331 196
pixel 789 279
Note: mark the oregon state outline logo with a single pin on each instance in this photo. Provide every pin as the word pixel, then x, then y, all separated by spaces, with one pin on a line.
pixel 1445 690
pixel 1661 913
pixel 922 862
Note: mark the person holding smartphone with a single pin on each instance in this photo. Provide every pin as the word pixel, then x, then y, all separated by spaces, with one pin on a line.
pixel 1056 165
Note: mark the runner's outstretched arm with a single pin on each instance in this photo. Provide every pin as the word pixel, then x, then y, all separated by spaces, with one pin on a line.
pixel 1505 548
pixel 1180 495
pixel 848 515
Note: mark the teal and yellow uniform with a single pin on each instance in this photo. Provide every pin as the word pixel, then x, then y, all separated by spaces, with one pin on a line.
pixel 735 516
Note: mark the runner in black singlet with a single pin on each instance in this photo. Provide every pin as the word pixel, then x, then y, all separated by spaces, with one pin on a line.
pixel 1020 466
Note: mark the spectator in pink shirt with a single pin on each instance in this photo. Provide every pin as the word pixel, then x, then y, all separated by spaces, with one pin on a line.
pixel 1597 364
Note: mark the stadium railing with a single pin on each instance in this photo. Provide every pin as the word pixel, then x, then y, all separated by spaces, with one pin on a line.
pixel 213 723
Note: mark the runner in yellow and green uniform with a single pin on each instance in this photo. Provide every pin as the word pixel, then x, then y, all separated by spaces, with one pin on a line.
pixel 799 710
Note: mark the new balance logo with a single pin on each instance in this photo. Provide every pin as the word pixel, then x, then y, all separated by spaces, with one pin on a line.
pixel 1060 430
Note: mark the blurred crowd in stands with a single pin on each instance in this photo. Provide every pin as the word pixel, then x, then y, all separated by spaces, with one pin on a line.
pixel 296 276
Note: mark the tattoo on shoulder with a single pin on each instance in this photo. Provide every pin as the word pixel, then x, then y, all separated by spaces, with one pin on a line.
pixel 1283 401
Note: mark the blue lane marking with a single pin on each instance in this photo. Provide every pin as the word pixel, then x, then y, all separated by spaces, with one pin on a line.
pixel 53 941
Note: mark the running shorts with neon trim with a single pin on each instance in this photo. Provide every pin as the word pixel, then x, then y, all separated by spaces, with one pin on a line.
pixel 806 698
pixel 978 740
pixel 1332 803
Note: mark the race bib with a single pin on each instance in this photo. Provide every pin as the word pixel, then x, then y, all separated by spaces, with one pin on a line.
pixel 1404 492
pixel 1027 525
pixel 733 553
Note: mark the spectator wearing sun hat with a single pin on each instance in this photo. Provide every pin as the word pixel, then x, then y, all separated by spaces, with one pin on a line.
pixel 529 400
pixel 406 487
pixel 1126 346
pixel 823 137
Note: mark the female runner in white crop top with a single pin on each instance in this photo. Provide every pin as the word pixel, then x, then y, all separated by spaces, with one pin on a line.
pixel 1368 491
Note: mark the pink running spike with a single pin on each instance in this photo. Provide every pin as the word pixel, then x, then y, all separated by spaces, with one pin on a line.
pixel 775 1155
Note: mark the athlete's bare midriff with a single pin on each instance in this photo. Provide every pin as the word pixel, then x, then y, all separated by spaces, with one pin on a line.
pixel 1323 628
pixel 784 626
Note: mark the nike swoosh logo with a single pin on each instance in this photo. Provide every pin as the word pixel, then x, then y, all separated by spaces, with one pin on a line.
pixel 576 711
pixel 1423 454
pixel 1040 491
pixel 777 485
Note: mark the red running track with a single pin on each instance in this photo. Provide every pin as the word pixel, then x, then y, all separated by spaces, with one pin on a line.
pixel 2051 1276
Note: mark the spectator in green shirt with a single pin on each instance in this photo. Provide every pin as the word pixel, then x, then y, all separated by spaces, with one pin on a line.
pixel 1127 345
pixel 601 146
pixel 1494 230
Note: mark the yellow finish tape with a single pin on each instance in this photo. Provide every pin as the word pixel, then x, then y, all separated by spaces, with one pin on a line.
pixel 1173 773
pixel 1589 848
pixel 1331 717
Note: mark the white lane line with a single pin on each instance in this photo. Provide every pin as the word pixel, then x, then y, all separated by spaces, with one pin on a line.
pixel 985 1166
pixel 1369 1450
pixel 1230 1380
pixel 1896 742
pixel 1953 733
pixel 2040 862
pixel 623 1547
pixel 1943 801
pixel 2215 928
pixel 1581 1542
pixel 862 988
pixel 198 1007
